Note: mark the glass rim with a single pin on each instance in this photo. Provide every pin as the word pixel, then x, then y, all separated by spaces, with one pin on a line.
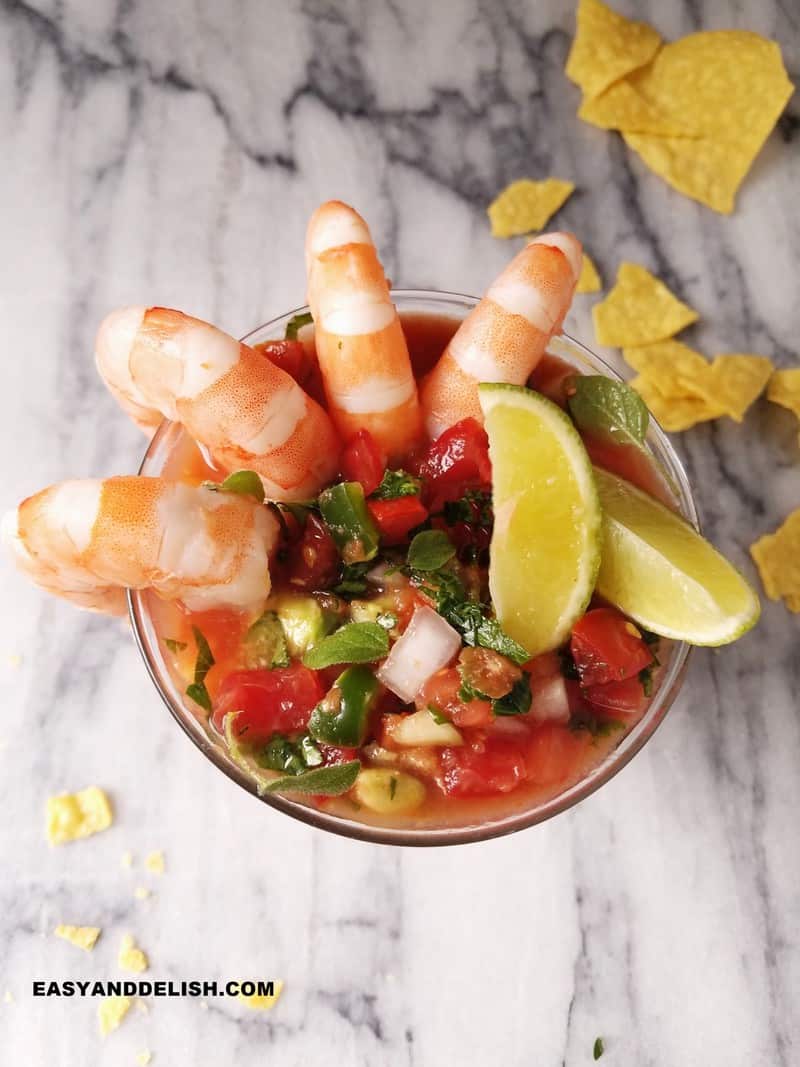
pixel 500 826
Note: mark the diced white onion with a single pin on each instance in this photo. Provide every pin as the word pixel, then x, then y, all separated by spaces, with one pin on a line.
pixel 549 699
pixel 378 576
pixel 428 644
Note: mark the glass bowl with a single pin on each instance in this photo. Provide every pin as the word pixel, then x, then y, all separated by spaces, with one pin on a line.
pixel 455 306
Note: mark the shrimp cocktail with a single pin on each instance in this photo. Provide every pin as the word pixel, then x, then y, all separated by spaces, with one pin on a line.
pixel 411 575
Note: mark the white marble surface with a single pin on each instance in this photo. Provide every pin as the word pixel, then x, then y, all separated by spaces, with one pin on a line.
pixel 171 154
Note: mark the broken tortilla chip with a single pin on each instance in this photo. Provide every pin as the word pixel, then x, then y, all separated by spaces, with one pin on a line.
pixel 639 310
pixel 674 413
pixel 526 205
pixel 622 107
pixel 728 87
pixel 777 556
pixel 784 389
pixel 607 46
pixel 733 382
pixel 589 281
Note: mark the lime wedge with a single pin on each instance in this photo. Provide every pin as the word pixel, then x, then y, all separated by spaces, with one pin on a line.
pixel 545 549
pixel 660 571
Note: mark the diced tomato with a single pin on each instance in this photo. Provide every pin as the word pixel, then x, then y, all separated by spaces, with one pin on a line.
pixel 489 765
pixel 544 665
pixel 555 753
pixel 273 701
pixel 606 647
pixel 442 690
pixel 395 518
pixel 290 356
pixel 313 561
pixel 549 377
pixel 456 461
pixel 626 696
pixel 363 462
pixel 630 463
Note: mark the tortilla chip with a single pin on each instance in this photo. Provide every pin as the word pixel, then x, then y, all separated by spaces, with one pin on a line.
pixel 733 382
pixel 606 47
pixel 639 310
pixel 668 363
pixel 784 389
pixel 674 413
pixel 525 206
pixel 589 281
pixel 622 107
pixel 777 556
pixel 729 86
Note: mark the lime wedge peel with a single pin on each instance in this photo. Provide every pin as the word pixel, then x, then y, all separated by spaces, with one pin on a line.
pixel 545 551
pixel 658 570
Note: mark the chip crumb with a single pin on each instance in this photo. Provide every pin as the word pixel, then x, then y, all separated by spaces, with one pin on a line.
pixel 639 310
pixel 84 937
pixel 262 1003
pixel 204 1005
pixel 526 206
pixel 777 556
pixel 607 46
pixel 784 389
pixel 131 958
pixel 141 892
pixel 144 1057
pixel 155 862
pixel 589 281
pixel 8 997
pixel 126 860
pixel 71 816
pixel 110 1013
pixel 14 660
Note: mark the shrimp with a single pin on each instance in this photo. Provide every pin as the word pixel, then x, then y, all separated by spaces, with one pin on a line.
pixel 89 540
pixel 362 352
pixel 242 409
pixel 505 335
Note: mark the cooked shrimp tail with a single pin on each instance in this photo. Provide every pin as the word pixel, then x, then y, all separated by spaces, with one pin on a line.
pixel 90 540
pixel 362 352
pixel 241 408
pixel 505 335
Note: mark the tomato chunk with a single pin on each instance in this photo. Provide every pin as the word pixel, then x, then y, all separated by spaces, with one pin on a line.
pixel 396 518
pixel 555 753
pixel 313 561
pixel 493 765
pixel 269 701
pixel 442 691
pixel 363 462
pixel 626 696
pixel 607 647
pixel 456 461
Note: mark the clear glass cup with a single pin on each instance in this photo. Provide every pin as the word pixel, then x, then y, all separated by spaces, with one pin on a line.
pixel 455 306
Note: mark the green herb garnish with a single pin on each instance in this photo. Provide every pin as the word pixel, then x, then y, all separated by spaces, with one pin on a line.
pixel 430 550
pixel 245 483
pixel 296 323
pixel 608 409
pixel 478 630
pixel 646 678
pixel 357 642
pixel 322 781
pixel 205 661
pixel 437 716
pixel 392 787
pixel 396 484
pixel 517 701
pixel 353 580
pixel 173 645
pixel 598 1049
pixel 598 728
pixel 474 508
pixel 568 668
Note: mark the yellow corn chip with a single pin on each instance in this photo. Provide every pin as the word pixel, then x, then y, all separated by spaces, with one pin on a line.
pixel 622 107
pixel 784 389
pixel 669 363
pixel 674 413
pixel 777 556
pixel 525 206
pixel 257 1002
pixel 71 816
pixel 729 86
pixel 589 281
pixel 131 958
pixel 83 937
pixel 607 46
pixel 639 310
pixel 733 382
pixel 110 1013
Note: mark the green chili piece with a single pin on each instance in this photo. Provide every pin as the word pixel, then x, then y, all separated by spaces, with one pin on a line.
pixel 341 718
pixel 344 510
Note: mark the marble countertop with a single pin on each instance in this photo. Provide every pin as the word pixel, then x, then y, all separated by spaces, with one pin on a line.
pixel 171 154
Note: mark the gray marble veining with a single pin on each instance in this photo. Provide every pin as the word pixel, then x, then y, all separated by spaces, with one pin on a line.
pixel 171 154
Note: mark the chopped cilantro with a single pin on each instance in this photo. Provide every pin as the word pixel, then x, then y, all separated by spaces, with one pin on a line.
pixel 392 787
pixel 205 661
pixel 646 678
pixel 474 508
pixel 296 323
pixel 353 581
pixel 437 716
pixel 598 1049
pixel 395 484
pixel 518 701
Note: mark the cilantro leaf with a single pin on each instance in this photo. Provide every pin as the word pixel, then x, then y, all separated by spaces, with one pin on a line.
pixel 296 323
pixel 357 642
pixel 479 630
pixel 646 678
pixel 516 702
pixel 205 661
pixel 353 579
pixel 430 550
pixel 395 484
